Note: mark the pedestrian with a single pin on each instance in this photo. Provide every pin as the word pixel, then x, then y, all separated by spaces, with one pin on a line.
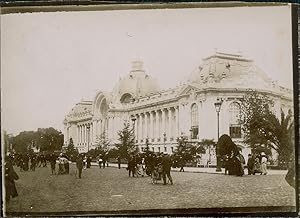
pixel 33 162
pixel 131 166
pixel 61 167
pixel 250 164
pixel 10 177
pixel 104 162
pixel 264 161
pixel 257 166
pixel 79 165
pixel 26 162
pixel 139 167
pixel 181 164
pixel 66 165
pixel 166 169
pixel 84 162
pixel 88 162
pixel 100 161
pixel 52 163
pixel 240 164
pixel 119 162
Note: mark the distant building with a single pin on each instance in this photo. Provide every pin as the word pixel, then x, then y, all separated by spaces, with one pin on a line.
pixel 160 116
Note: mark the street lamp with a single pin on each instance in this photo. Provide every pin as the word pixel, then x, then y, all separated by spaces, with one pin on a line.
pixel 165 139
pixel 88 139
pixel 218 108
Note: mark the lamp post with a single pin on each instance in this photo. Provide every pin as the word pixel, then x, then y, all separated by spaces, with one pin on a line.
pixel 88 139
pixel 218 108
pixel 165 139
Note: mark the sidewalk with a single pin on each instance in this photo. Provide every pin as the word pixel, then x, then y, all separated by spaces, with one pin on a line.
pixel 201 169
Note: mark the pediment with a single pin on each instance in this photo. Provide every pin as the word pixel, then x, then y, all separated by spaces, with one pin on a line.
pixel 188 90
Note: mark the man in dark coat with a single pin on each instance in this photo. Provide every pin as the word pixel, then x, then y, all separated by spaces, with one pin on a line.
pixel 10 177
pixel 131 166
pixel 79 165
pixel 52 163
pixel 250 164
pixel 166 169
pixel 119 162
pixel 181 164
pixel 33 162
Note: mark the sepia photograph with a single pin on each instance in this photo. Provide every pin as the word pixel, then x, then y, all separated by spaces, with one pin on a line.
pixel 156 110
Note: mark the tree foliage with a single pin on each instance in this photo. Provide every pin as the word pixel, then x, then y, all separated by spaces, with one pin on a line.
pixel 127 141
pixel 185 150
pixel 263 129
pixel 71 151
pixel 204 145
pixel 45 139
pixel 102 145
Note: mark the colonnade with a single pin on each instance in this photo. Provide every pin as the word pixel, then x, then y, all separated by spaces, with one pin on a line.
pixel 85 133
pixel 100 127
pixel 158 125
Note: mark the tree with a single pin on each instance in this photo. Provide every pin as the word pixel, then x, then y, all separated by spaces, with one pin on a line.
pixel 127 139
pixel 205 144
pixel 71 152
pixel 102 145
pixel 186 150
pixel 282 136
pixel 264 130
pixel 48 139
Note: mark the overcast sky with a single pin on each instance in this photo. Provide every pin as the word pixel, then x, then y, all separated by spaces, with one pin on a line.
pixel 50 61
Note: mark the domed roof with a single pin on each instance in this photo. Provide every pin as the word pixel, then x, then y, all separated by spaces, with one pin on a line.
pixel 136 83
pixel 233 67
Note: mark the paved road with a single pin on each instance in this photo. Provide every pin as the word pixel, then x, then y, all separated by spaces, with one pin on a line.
pixel 111 189
pixel 205 169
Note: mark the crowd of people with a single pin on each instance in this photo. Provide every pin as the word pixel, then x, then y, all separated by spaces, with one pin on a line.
pixel 156 165
pixel 257 164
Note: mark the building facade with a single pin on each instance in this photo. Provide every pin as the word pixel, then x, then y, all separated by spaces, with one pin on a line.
pixel 160 116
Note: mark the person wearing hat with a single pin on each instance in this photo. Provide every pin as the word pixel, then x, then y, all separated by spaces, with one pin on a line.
pixel 10 177
pixel 250 164
pixel 264 161
pixel 79 165
pixel 166 169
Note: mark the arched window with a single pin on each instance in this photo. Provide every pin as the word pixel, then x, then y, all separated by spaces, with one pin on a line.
pixel 195 123
pixel 126 98
pixel 235 120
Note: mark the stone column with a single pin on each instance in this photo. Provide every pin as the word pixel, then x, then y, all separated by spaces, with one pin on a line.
pixel 85 133
pixel 140 126
pixel 163 120
pixel 81 133
pixel 177 133
pixel 136 126
pixel 146 125
pixel 77 135
pixel 157 125
pixel 170 123
pixel 151 135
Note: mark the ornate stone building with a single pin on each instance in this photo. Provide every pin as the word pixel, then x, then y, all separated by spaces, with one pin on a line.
pixel 160 116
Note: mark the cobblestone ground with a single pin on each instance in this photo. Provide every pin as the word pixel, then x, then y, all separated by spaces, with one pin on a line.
pixel 111 189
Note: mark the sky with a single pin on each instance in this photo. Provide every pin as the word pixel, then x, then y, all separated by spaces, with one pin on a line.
pixel 51 61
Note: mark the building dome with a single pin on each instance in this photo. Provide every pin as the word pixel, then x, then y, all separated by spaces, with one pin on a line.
pixel 222 67
pixel 136 83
